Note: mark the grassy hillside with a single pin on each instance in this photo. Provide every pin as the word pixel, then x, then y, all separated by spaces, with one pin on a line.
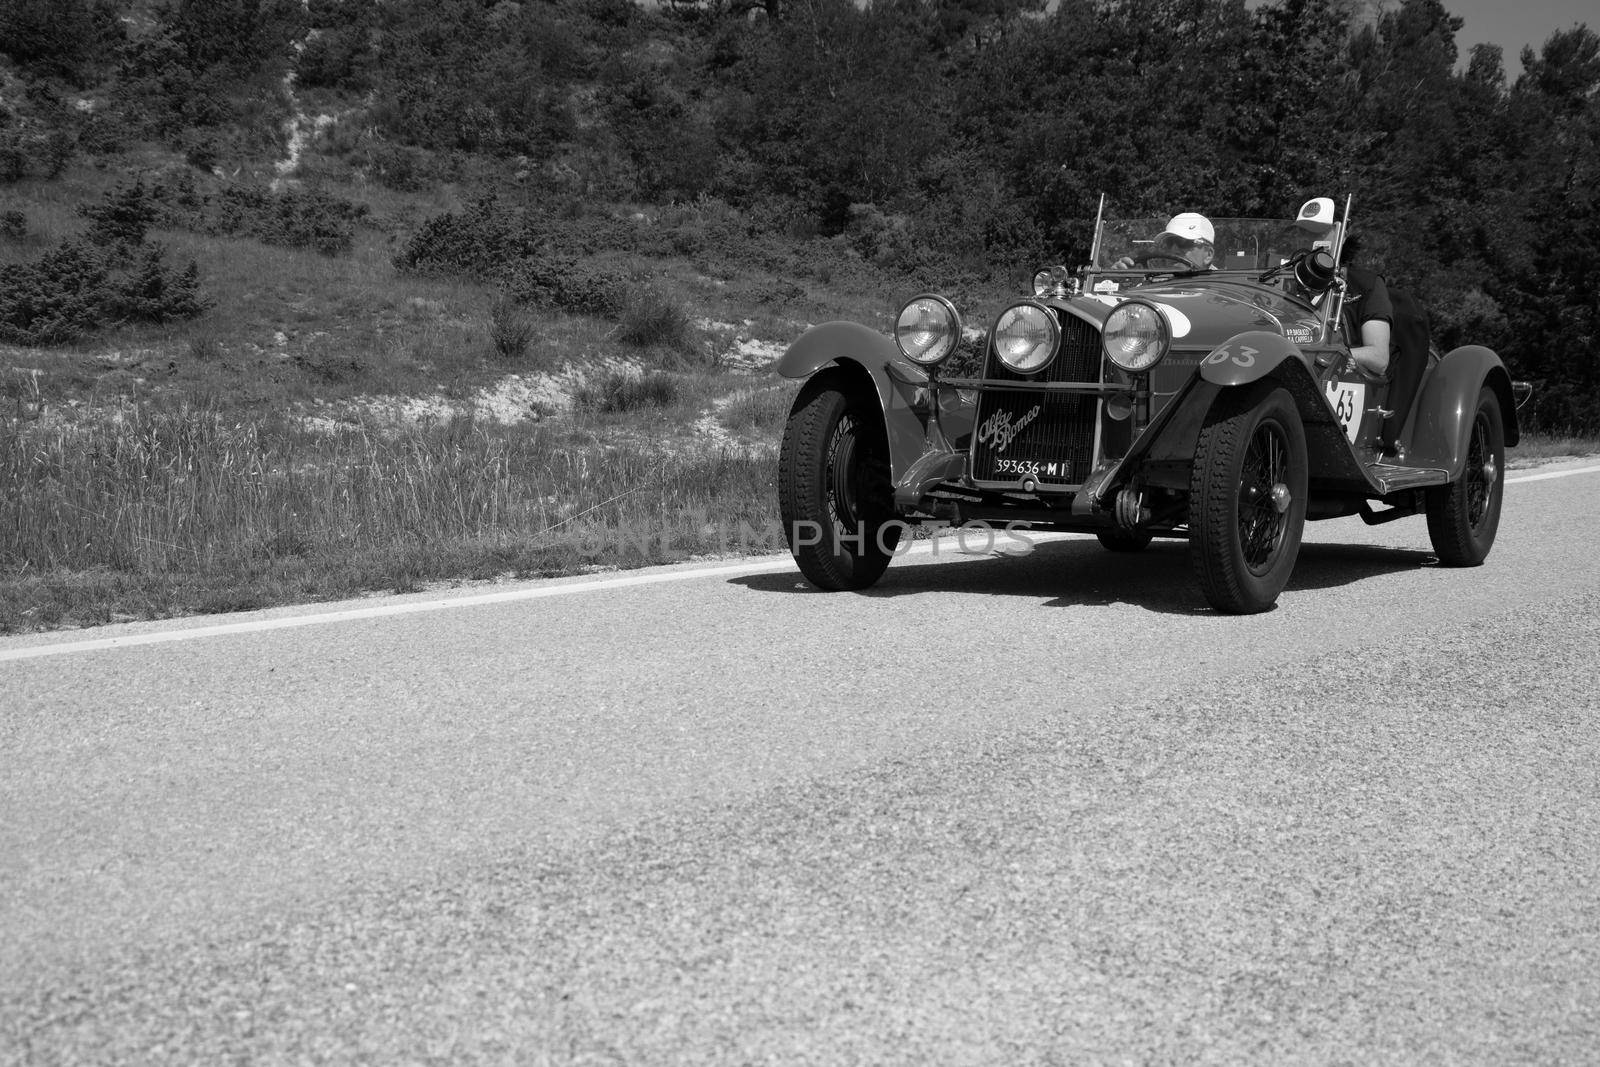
pixel 332 425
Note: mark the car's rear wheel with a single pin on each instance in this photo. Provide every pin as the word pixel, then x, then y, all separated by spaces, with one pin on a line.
pixel 1124 540
pixel 834 489
pixel 1464 515
pixel 1247 499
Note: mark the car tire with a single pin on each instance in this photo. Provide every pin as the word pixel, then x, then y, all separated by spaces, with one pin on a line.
pixel 1464 515
pixel 1247 499
pixel 835 494
pixel 1124 540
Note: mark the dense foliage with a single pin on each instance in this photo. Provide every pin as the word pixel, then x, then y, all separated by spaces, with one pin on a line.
pixel 925 133
pixel 79 288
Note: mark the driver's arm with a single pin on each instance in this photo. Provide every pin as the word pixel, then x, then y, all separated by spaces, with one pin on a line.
pixel 1372 354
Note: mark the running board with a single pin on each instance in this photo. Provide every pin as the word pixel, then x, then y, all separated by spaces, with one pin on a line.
pixel 1390 478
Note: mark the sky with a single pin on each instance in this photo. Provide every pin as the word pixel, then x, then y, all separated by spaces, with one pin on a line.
pixel 1514 23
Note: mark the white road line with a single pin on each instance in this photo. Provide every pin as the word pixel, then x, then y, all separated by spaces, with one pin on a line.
pixel 413 607
pixel 597 585
pixel 1552 474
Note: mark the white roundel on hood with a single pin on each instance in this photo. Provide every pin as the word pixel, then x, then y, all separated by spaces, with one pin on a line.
pixel 1177 320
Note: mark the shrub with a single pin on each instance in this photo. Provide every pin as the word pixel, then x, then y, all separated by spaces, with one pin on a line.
pixel 13 160
pixel 13 225
pixel 651 319
pixel 76 289
pixel 565 283
pixel 477 242
pixel 618 391
pixel 151 293
pixel 122 217
pixel 294 218
pixel 509 329
pixel 58 298
pixel 61 37
pixel 400 167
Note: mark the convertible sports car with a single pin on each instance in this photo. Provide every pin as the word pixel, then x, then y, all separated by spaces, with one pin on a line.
pixel 1141 397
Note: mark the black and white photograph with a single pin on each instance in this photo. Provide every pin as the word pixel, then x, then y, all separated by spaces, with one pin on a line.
pixel 799 532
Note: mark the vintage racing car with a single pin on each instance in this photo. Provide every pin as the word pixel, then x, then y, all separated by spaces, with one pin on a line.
pixel 1140 397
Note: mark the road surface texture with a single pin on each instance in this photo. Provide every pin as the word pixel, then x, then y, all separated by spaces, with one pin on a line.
pixel 1020 809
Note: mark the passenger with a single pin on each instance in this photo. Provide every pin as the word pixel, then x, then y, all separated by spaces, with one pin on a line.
pixel 1189 237
pixel 1368 312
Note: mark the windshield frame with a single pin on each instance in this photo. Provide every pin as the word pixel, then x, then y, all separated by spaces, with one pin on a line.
pixel 1243 245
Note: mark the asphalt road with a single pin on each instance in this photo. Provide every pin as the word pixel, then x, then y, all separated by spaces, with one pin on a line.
pixel 1032 809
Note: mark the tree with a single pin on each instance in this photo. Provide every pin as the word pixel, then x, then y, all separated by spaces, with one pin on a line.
pixel 68 38
pixel 1553 303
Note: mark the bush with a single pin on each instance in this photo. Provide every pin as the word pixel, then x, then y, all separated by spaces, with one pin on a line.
pixel 46 153
pixel 60 37
pixel 509 329
pixel 122 217
pixel 13 225
pixel 618 391
pixel 58 298
pixel 151 293
pixel 76 289
pixel 309 219
pixel 477 243
pixel 564 283
pixel 651 319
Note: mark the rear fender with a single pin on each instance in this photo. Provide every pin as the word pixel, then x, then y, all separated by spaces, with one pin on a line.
pixel 1447 403
pixel 871 361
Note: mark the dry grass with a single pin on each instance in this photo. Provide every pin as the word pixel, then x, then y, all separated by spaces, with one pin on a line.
pixel 1537 448
pixel 148 511
pixel 759 411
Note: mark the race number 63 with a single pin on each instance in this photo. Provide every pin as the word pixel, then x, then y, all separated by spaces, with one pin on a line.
pixel 1346 400
pixel 1241 355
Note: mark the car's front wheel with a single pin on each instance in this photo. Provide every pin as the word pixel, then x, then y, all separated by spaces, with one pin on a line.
pixel 1247 499
pixel 1464 515
pixel 834 489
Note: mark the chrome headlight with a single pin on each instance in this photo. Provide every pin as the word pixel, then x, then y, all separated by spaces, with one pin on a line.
pixel 1026 337
pixel 928 329
pixel 1135 337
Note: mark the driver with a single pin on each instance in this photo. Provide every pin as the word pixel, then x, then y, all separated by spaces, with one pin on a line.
pixel 1189 237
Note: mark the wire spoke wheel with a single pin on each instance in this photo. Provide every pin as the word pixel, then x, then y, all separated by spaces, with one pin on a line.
pixel 1261 518
pixel 1480 486
pixel 1247 498
pixel 835 492
pixel 1464 516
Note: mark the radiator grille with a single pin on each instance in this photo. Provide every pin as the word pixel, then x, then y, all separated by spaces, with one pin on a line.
pixel 1046 436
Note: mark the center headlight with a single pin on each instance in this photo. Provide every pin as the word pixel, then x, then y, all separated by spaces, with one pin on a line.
pixel 1135 337
pixel 1026 337
pixel 928 329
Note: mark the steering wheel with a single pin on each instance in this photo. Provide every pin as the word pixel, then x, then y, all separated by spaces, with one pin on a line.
pixel 1146 260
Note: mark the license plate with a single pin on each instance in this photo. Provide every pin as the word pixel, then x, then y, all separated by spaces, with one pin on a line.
pixel 1033 468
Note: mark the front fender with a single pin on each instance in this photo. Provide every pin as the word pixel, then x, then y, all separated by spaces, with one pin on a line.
pixel 1241 361
pixel 1247 357
pixel 1448 403
pixel 873 361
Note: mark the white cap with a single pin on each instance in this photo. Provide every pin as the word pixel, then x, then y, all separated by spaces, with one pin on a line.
pixel 1316 215
pixel 1192 227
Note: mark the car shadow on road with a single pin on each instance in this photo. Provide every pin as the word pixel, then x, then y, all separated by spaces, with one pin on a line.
pixel 1081 573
